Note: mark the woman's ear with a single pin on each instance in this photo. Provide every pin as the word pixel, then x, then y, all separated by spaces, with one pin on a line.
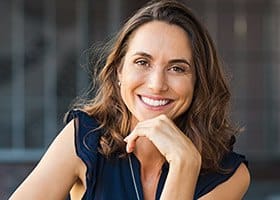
pixel 119 75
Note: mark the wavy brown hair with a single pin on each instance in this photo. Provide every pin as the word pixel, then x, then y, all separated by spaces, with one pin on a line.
pixel 206 122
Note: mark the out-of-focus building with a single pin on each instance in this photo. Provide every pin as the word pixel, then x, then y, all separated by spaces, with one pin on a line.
pixel 44 61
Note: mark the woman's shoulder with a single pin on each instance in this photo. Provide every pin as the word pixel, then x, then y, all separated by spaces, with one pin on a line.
pixel 81 116
pixel 84 122
pixel 87 132
pixel 229 165
pixel 232 160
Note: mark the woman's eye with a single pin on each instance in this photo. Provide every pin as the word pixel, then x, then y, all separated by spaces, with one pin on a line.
pixel 178 69
pixel 142 62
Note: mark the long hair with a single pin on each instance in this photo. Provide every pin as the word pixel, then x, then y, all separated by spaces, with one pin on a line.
pixel 206 122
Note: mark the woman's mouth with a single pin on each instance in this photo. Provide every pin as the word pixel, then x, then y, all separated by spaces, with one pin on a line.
pixel 155 102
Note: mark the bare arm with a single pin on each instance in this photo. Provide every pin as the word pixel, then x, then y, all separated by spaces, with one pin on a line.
pixel 180 183
pixel 233 189
pixel 56 173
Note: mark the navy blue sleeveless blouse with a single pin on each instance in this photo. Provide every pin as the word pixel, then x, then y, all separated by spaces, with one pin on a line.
pixel 112 179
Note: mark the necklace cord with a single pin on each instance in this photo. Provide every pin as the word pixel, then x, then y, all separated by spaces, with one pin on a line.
pixel 133 177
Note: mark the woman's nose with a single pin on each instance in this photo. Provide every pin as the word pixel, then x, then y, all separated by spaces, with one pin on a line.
pixel 157 81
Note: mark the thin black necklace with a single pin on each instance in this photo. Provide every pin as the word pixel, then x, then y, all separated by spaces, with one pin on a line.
pixel 133 178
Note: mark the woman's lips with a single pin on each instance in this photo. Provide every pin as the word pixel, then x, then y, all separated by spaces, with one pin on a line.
pixel 154 102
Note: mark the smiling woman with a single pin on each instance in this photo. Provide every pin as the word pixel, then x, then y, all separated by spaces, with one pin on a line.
pixel 158 126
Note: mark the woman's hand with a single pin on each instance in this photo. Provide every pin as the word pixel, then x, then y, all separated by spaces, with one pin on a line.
pixel 172 143
pixel 179 151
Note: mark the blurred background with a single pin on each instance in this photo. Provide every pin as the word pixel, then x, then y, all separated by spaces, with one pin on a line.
pixel 43 56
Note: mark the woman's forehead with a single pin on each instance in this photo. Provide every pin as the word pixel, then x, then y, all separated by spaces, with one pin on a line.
pixel 158 37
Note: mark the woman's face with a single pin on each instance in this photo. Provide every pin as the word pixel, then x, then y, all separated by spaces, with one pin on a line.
pixel 157 76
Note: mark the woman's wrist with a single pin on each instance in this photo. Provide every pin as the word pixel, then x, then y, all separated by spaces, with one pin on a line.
pixel 181 180
pixel 185 162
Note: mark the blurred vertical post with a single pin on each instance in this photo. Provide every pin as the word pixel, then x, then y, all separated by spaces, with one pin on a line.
pixel 271 46
pixel 50 72
pixel 114 11
pixel 211 18
pixel 82 41
pixel 240 61
pixel 18 100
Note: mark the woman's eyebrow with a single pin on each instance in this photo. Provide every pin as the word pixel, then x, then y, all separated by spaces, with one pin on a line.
pixel 181 60
pixel 142 53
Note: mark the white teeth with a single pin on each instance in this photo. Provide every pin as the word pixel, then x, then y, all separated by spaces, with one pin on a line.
pixel 153 102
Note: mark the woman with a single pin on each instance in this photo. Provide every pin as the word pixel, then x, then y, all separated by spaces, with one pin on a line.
pixel 158 127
